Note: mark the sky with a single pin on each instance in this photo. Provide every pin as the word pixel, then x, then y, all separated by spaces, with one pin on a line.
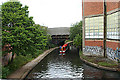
pixel 54 13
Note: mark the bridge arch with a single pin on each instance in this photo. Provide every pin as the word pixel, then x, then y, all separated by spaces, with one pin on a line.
pixel 59 35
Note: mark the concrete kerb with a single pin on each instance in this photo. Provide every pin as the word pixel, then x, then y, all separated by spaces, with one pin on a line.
pixel 24 70
pixel 98 66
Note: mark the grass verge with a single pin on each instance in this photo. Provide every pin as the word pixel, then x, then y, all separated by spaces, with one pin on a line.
pixel 18 62
pixel 99 60
pixel 106 64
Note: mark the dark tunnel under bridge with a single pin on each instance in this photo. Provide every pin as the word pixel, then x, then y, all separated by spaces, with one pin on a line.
pixel 59 35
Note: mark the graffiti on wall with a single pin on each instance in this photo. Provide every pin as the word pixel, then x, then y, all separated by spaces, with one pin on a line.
pixel 93 50
pixel 113 54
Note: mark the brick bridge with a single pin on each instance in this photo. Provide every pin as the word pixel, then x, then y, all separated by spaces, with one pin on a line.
pixel 59 35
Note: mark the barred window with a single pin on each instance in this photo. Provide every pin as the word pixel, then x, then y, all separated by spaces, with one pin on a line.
pixel 112 25
pixel 94 27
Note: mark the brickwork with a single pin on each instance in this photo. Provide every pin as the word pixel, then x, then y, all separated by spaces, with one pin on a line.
pixel 112 5
pixel 113 45
pixel 99 43
pixel 93 28
pixel 96 48
pixel 93 8
pixel 94 43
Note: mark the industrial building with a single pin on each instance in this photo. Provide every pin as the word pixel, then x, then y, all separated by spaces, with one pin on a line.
pixel 93 28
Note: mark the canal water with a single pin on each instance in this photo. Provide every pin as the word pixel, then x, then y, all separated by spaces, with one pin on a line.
pixel 68 67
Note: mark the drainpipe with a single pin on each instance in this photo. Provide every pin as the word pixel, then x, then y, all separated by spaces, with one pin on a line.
pixel 83 27
pixel 105 26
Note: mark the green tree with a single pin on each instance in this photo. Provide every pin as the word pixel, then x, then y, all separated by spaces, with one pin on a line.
pixel 18 30
pixel 47 37
pixel 13 14
pixel 14 21
pixel 76 29
pixel 76 34
pixel 78 41
pixel 21 34
pixel 0 17
pixel 0 23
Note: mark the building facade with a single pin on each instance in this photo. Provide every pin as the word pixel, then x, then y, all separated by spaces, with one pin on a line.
pixel 93 28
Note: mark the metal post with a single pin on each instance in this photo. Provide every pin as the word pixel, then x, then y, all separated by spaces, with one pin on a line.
pixel 105 26
pixel 83 27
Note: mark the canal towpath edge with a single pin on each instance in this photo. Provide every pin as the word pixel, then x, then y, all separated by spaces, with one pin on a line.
pixel 99 66
pixel 24 70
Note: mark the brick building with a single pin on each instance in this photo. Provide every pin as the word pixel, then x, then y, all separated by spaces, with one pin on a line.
pixel 93 28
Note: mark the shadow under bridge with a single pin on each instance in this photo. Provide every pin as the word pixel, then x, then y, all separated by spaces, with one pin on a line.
pixel 59 35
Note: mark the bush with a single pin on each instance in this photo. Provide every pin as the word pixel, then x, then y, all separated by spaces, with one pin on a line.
pixel 78 41
pixel 80 53
pixel 18 62
pixel 53 45
pixel 76 29
pixel 67 41
pixel 37 53
pixel 5 72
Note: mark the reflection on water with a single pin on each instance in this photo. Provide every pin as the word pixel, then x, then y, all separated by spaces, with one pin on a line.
pixel 94 73
pixel 68 66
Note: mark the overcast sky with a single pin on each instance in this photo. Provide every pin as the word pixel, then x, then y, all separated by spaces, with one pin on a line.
pixel 54 13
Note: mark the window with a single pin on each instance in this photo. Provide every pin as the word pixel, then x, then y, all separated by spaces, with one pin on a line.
pixel 93 27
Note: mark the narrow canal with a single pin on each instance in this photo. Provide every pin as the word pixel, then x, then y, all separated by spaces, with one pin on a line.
pixel 68 66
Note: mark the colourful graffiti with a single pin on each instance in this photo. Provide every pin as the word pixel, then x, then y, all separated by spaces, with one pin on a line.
pixel 93 50
pixel 113 54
